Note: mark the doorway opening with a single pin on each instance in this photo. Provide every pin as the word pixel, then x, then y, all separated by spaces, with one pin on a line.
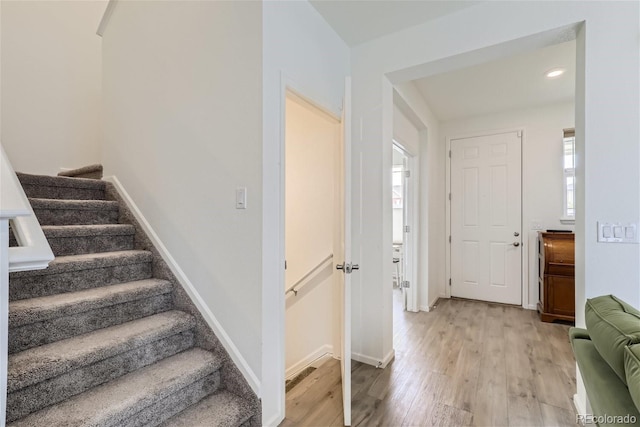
pixel 313 236
pixel 403 227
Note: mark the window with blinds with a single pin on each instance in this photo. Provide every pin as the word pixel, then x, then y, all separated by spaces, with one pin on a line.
pixel 569 148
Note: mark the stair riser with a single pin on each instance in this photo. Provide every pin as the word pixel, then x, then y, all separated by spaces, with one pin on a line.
pixel 76 216
pixel 30 399
pixel 49 284
pixel 62 246
pixel 171 405
pixel 71 193
pixel 40 333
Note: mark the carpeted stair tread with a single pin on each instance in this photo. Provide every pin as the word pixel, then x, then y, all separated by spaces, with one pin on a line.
pixel 89 261
pixel 221 409
pixel 27 311
pixel 82 239
pixel 59 181
pixel 90 171
pixel 61 211
pixel 58 187
pixel 77 272
pixel 70 204
pixel 47 361
pixel 113 403
pixel 59 231
pixel 32 398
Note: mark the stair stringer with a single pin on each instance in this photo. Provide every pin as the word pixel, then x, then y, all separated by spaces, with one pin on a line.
pixel 236 375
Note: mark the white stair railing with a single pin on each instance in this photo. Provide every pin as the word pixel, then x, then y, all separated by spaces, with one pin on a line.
pixel 33 253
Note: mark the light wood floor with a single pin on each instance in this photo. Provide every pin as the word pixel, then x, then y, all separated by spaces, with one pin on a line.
pixel 464 363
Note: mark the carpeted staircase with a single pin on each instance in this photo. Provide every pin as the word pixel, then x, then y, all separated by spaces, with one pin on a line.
pixel 106 336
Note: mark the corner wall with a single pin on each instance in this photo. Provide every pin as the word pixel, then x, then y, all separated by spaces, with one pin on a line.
pixel 301 51
pixel 51 84
pixel 608 144
pixel 182 84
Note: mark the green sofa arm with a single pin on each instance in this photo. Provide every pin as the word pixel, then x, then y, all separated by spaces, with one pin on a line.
pixel 578 334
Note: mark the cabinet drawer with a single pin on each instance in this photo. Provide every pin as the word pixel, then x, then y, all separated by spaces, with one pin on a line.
pixel 560 269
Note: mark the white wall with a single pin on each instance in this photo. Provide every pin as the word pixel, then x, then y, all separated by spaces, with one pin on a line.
pixel 312 144
pixel 182 130
pixel 542 172
pixel 302 51
pixel 51 78
pixel 608 142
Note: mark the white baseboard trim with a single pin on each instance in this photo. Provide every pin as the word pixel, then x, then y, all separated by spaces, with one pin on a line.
pixel 388 358
pixel 274 421
pixel 531 307
pixel 308 360
pixel 208 316
pixel 425 308
pixel 362 358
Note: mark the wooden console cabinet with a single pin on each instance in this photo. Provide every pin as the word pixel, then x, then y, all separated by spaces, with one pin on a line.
pixel 556 283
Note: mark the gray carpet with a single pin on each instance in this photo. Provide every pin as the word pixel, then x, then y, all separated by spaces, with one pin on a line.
pixel 106 336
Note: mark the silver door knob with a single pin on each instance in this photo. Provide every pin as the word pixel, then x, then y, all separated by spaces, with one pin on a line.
pixel 340 267
pixel 516 244
pixel 355 267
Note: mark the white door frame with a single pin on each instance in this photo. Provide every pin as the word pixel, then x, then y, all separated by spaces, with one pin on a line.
pixel 413 223
pixel 524 215
pixel 287 85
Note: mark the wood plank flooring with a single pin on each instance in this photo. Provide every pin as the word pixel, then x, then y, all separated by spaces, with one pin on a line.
pixel 465 363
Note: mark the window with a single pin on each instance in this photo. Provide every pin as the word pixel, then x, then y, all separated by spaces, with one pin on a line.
pixel 398 172
pixel 569 176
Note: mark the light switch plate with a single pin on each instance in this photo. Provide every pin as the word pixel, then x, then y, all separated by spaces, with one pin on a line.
pixel 617 232
pixel 241 198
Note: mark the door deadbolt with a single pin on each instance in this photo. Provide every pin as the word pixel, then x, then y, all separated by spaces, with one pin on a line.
pixel 516 234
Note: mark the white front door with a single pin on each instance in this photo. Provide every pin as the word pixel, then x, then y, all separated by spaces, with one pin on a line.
pixel 346 263
pixel 486 222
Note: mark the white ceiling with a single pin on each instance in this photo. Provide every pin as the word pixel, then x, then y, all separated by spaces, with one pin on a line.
pixel 511 83
pixel 358 21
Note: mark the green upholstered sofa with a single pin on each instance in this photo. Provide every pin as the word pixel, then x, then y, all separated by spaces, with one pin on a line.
pixel 608 355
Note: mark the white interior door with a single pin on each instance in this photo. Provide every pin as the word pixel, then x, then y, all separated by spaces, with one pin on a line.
pixel 486 222
pixel 347 267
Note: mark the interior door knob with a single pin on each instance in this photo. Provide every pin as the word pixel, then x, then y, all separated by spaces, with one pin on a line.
pixel 516 244
pixel 340 267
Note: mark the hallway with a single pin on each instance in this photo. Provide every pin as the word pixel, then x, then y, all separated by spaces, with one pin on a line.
pixel 469 363
pixel 464 363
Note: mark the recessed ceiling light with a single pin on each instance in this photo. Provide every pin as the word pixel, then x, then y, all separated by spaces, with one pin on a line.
pixel 556 72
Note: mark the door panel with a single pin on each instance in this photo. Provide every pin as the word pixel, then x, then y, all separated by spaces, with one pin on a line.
pixel 345 361
pixel 486 259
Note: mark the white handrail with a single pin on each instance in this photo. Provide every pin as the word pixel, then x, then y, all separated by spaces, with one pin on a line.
pixel 33 251
pixel 295 289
